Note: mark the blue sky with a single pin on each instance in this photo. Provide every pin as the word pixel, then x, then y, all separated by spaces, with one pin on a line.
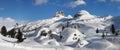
pixel 33 10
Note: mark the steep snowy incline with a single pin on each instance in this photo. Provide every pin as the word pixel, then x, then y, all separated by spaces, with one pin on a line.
pixel 40 23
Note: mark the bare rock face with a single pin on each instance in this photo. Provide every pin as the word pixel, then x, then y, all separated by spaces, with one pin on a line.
pixel 59 14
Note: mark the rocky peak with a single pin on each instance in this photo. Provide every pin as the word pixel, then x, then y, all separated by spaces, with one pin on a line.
pixel 59 14
pixel 83 14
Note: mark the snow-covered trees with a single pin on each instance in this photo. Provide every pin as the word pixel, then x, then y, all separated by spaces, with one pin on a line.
pixel 50 34
pixel 4 31
pixel 19 36
pixel 103 35
pixel 71 35
pixel 11 33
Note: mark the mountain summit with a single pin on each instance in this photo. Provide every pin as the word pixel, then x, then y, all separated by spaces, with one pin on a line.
pixel 59 14
pixel 83 14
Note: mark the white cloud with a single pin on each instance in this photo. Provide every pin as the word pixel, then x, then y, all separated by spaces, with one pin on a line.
pixel 77 3
pixel 8 22
pixel 102 0
pixel 115 0
pixel 39 2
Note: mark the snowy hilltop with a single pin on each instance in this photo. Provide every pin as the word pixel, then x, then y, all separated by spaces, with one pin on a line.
pixel 82 31
pixel 83 14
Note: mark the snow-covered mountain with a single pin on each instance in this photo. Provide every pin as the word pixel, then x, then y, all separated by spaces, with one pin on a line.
pixel 85 18
pixel 84 21
pixel 83 14
pixel 79 31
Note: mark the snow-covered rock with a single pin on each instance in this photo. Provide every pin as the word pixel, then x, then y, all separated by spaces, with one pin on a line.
pixel 71 35
pixel 39 32
pixel 69 16
pixel 59 14
pixel 83 14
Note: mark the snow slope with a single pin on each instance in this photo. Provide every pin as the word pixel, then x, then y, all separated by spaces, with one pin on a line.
pixel 86 25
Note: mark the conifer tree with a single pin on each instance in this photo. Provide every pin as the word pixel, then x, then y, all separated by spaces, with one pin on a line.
pixel 112 29
pixel 12 33
pixel 67 24
pixel 116 34
pixel 75 27
pixel 19 36
pixel 63 28
pixel 83 33
pixel 97 31
pixel 61 36
pixel 103 35
pixel 4 31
